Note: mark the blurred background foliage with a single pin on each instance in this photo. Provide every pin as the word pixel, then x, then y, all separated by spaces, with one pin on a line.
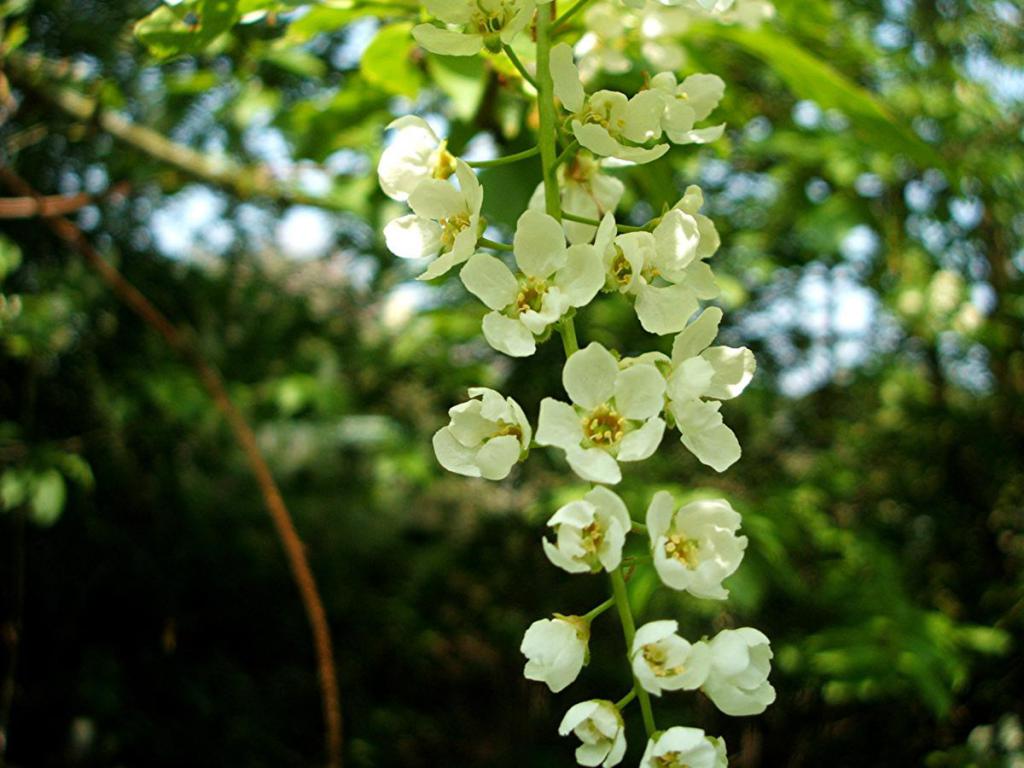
pixel 869 194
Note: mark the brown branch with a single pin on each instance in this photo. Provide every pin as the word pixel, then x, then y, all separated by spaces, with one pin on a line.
pixel 214 385
pixel 51 205
pixel 32 71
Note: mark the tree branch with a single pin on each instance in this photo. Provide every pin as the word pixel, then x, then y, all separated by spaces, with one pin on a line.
pixel 214 385
pixel 32 71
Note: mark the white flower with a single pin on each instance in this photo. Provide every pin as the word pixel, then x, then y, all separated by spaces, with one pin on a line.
pixel 486 437
pixel 480 23
pixel 614 416
pixel 738 679
pixel 556 650
pixel 700 371
pixel 660 269
pixel 663 661
pixel 599 726
pixel 606 122
pixel 695 546
pixel 585 191
pixel 445 220
pixel 687 102
pixel 589 533
pixel 681 747
pixel 554 279
pixel 661 29
pixel 414 155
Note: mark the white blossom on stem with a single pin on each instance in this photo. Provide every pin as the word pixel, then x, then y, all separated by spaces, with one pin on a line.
pixel 700 377
pixel 556 650
pixel 598 724
pixel 486 437
pixel 664 661
pixel 477 23
pixel 554 279
pixel 614 414
pixel 589 533
pixel 607 122
pixel 584 191
pixel 737 682
pixel 695 546
pixel 415 154
pixel 445 222
pixel 686 103
pixel 682 747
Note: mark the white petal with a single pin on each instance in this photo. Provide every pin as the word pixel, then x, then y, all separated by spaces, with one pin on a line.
pixel 652 632
pixel 508 335
pixel 558 425
pixel 450 11
pixel 690 380
pixel 642 443
pixel 595 138
pixel 734 368
pixel 665 309
pixel 639 392
pixel 701 280
pixel 560 560
pixel 412 237
pixel 659 514
pixel 497 457
pixel 643 117
pixel 589 375
pixel 568 86
pixel 406 160
pixel 487 278
pixel 443 263
pixel 705 435
pixel 436 199
pixel 539 244
pixel 703 93
pixel 677 237
pixel 453 455
pixel 698 335
pixel 446 42
pixel 582 276
pixel 594 465
pixel 608 504
pixel 576 715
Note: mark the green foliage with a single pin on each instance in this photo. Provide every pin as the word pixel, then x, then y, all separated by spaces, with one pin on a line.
pixel 188 27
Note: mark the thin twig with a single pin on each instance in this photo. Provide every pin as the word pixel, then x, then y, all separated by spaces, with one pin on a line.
pixel 52 205
pixel 243 181
pixel 214 385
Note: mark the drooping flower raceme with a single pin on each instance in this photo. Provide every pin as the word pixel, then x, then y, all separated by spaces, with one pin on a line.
pixel 445 220
pixel 598 724
pixel 681 747
pixel 480 23
pixel 614 414
pixel 415 154
pixel 589 533
pixel 695 547
pixel 606 122
pixel 556 650
pixel 554 278
pixel 486 437
pixel 585 191
pixel 663 661
pixel 737 681
pixel 701 376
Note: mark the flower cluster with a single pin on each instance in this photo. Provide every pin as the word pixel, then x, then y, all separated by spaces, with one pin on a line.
pixel 566 251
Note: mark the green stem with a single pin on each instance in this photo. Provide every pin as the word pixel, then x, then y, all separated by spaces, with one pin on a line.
pixel 569 150
pixel 568 331
pixel 629 631
pixel 546 111
pixel 596 223
pixel 595 612
pixel 506 160
pixel 571 12
pixel 638 527
pixel 519 66
pixel 625 699
pixel 492 244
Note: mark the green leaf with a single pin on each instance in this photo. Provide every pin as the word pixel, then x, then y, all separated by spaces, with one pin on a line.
pixel 14 484
pixel 48 494
pixel 811 78
pixel 186 28
pixel 463 79
pixel 388 61
pixel 10 256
